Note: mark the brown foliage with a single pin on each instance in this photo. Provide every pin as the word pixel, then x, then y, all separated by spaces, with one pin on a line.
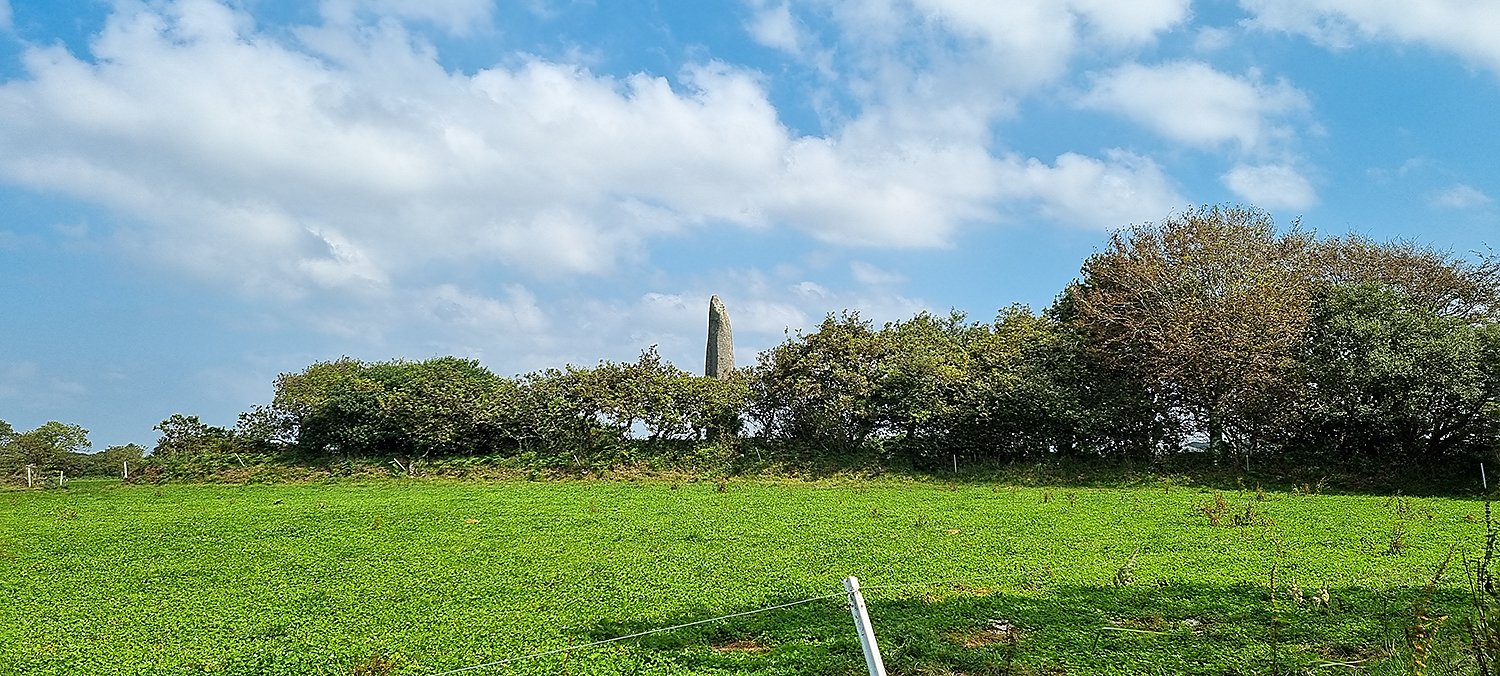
pixel 1208 307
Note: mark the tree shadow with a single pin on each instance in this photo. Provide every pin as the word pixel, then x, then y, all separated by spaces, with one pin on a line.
pixel 1037 627
pixel 1450 477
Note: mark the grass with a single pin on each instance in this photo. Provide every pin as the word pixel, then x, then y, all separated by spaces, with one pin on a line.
pixel 418 577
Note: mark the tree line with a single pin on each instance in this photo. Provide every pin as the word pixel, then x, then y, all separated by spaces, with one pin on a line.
pixel 56 447
pixel 1210 331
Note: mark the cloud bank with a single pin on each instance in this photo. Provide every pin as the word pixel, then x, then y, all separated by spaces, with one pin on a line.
pixel 341 161
pixel 1463 27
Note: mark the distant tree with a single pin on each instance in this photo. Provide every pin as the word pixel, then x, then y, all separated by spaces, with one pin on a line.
pixel 440 406
pixel 1034 390
pixel 925 371
pixel 1398 376
pixel 110 460
pixel 1208 308
pixel 823 387
pixel 334 408
pixel 552 412
pixel 50 447
pixel 1424 277
pixel 186 435
pixel 264 429
pixel 443 406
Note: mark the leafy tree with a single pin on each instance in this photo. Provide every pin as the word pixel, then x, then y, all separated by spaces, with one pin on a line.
pixel 186 435
pixel 553 412
pixel 1208 308
pixel 333 408
pixel 444 406
pixel 822 387
pixel 109 460
pixel 703 407
pixel 51 447
pixel 1423 276
pixel 1398 376
pixel 924 374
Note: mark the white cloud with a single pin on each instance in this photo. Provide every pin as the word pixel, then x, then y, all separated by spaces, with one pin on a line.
pixel 774 26
pixel 1048 29
pixel 17 378
pixel 1210 39
pixel 519 313
pixel 1464 27
pixel 459 17
pixel 869 275
pixel 1132 22
pixel 5 15
pixel 1190 102
pixel 1271 186
pixel 282 171
pixel 947 68
pixel 850 191
pixel 286 171
pixel 1459 196
pixel 1094 193
pixel 768 317
pixel 812 290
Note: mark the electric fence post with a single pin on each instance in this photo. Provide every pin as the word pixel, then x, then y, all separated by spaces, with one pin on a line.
pixel 862 623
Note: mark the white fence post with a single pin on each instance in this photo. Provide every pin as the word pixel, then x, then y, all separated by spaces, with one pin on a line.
pixel 125 474
pixel 28 476
pixel 59 478
pixel 862 623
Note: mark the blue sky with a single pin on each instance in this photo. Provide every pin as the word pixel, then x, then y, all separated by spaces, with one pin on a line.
pixel 198 195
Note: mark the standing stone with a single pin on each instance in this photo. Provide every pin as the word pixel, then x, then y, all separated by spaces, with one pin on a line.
pixel 720 358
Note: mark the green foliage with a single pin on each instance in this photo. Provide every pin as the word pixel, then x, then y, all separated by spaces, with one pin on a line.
pixel 1281 341
pixel 1396 378
pixel 825 387
pixel 48 449
pixel 1206 308
pixel 186 435
pixel 1033 390
pixel 932 386
pixel 454 407
pixel 56 447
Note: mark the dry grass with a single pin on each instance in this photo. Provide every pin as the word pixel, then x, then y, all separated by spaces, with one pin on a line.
pixel 743 645
pixel 997 631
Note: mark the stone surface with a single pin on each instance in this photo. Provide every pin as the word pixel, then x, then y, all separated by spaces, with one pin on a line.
pixel 719 360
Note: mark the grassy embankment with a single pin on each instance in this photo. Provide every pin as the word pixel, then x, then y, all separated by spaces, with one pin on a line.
pixel 416 577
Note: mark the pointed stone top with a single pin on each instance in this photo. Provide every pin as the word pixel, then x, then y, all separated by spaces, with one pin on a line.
pixel 719 358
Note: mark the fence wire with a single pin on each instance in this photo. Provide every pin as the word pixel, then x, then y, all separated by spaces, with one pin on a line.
pixel 640 634
pixel 898 585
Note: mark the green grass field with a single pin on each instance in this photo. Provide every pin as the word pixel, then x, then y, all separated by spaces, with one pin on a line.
pixel 414 577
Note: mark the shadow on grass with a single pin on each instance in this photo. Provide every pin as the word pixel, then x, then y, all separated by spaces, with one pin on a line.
pixel 1458 478
pixel 679 461
pixel 1041 628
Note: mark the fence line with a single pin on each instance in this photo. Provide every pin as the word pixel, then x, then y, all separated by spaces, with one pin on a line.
pixel 640 634
pixel 844 594
pixel 1022 573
